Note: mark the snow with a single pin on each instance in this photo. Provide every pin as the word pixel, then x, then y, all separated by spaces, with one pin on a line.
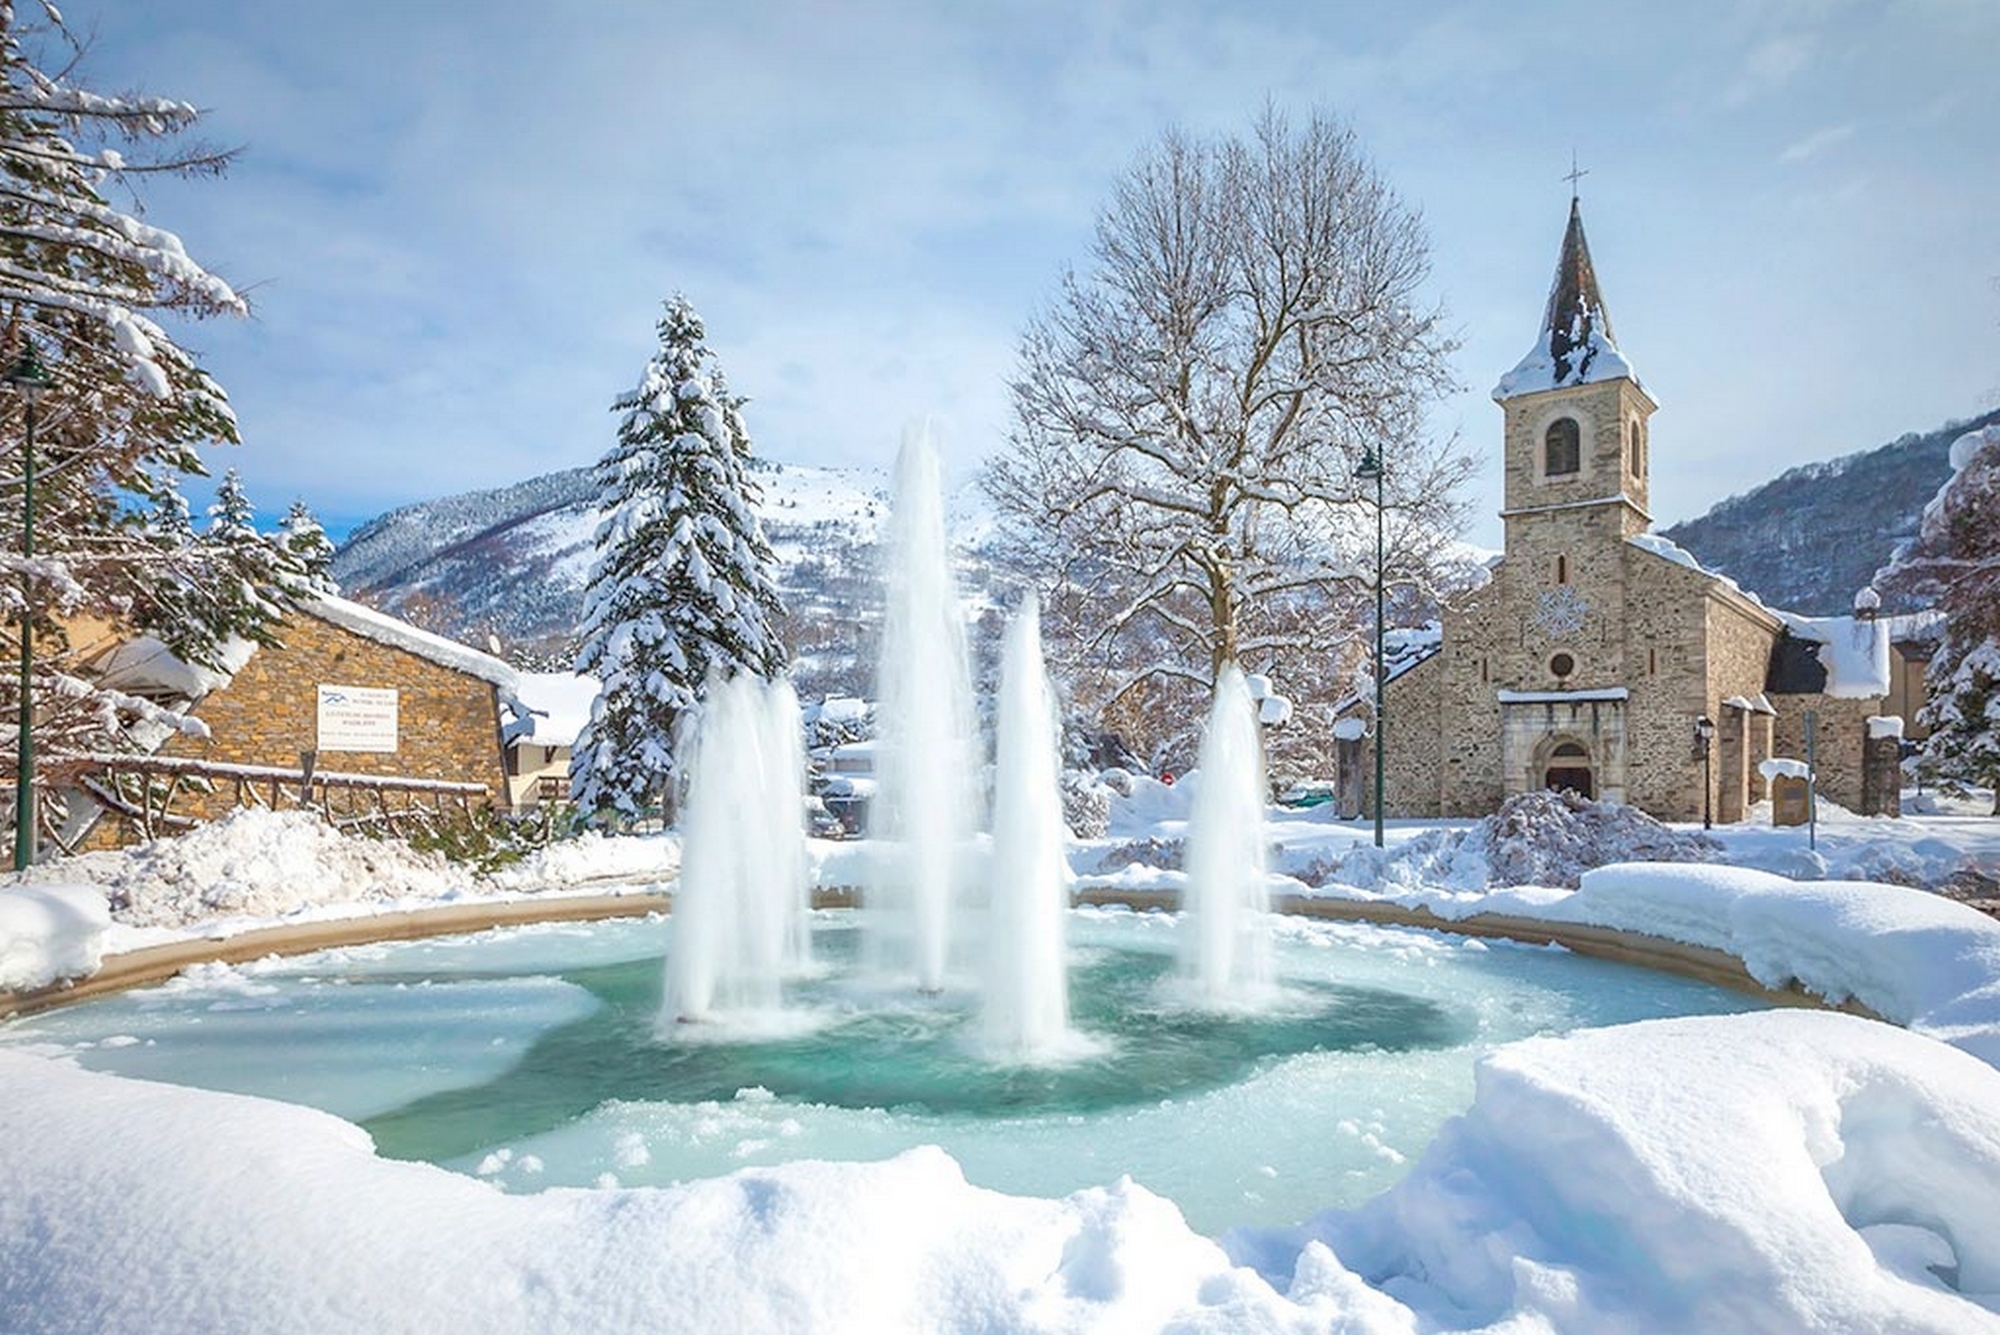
pixel 1350 729
pixel 1781 1170
pixel 1885 725
pixel 384 629
pixel 1970 444
pixel 1853 650
pixel 50 932
pixel 1605 694
pixel 1596 361
pixel 143 665
pixel 1779 767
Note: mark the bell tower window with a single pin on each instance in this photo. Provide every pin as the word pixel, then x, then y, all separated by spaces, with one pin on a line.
pixel 1562 448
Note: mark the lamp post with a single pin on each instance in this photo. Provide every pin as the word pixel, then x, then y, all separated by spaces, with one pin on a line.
pixel 1704 734
pixel 27 377
pixel 1371 469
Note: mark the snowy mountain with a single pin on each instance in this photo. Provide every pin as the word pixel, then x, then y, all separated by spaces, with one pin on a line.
pixel 1809 538
pixel 510 564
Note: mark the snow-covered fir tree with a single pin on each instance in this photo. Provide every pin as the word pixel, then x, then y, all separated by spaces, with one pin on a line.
pixel 83 284
pixel 1956 561
pixel 682 585
pixel 301 534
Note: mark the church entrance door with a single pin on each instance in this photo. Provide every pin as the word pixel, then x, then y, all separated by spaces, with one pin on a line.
pixel 1577 779
pixel 1569 767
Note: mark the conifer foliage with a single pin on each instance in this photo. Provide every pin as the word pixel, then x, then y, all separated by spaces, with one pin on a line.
pixel 1956 560
pixel 84 284
pixel 682 585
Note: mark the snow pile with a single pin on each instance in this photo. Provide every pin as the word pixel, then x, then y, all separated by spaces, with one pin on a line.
pixel 1544 838
pixel 254 863
pixel 48 933
pixel 1553 838
pixel 1148 802
pixel 1778 1171
pixel 592 856
pixel 1915 958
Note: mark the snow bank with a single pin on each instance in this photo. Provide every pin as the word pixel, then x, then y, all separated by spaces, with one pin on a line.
pixel 50 932
pixel 1778 1171
pixel 254 863
pixel 1910 956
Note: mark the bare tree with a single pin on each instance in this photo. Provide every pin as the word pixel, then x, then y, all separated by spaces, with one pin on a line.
pixel 1190 414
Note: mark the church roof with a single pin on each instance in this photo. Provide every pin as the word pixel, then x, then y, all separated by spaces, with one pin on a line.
pixel 1575 346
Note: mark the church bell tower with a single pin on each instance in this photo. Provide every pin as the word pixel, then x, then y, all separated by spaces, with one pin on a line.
pixel 1577 415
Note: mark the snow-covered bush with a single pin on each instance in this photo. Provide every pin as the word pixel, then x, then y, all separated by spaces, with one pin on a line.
pixel 1086 804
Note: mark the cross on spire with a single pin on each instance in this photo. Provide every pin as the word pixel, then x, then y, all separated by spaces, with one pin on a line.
pixel 1576 174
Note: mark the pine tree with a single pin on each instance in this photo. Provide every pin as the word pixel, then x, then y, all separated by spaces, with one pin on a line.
pixel 1956 561
pixel 81 285
pixel 682 584
pixel 301 534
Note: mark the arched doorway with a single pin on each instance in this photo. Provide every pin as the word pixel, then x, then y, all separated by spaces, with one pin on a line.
pixel 1569 767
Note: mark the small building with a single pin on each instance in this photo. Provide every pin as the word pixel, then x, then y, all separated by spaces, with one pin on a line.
pixel 1602 658
pixel 353 712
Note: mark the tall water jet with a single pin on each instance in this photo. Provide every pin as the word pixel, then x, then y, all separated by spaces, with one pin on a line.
pixel 924 797
pixel 1025 1006
pixel 740 908
pixel 1227 947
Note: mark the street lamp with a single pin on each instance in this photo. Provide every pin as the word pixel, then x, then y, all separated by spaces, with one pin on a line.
pixel 1704 736
pixel 29 379
pixel 1371 469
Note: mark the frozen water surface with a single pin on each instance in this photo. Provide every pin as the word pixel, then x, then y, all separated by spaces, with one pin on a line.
pixel 532 1057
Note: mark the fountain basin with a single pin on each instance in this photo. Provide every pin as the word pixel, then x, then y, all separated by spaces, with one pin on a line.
pixel 536 1061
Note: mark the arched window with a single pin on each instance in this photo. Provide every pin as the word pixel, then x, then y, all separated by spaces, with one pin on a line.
pixel 1562 448
pixel 1635 448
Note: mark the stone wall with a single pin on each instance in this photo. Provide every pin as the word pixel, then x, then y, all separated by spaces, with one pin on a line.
pixel 1411 744
pixel 1839 745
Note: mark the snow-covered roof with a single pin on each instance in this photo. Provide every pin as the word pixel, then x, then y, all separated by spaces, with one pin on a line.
pixel 556 705
pixel 385 629
pixel 1575 346
pixel 145 666
pixel 1853 650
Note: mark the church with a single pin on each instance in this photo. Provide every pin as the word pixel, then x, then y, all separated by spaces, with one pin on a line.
pixel 1602 658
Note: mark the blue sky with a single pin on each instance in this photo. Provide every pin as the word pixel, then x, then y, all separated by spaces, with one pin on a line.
pixel 456 221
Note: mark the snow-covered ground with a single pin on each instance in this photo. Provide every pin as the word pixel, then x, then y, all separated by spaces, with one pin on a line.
pixel 1776 1171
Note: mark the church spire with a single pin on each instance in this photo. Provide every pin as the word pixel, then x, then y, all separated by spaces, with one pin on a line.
pixel 1575 346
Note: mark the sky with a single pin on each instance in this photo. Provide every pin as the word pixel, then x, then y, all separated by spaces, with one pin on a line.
pixel 456 222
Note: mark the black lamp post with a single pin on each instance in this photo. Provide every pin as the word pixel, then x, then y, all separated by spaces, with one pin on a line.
pixel 1371 469
pixel 27 377
pixel 1704 735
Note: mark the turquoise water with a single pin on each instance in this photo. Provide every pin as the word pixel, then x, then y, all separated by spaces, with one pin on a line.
pixel 535 1057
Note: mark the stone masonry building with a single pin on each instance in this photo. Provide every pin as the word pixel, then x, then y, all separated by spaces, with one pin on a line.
pixel 1604 659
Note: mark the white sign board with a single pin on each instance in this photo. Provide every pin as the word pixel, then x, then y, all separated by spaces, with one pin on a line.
pixel 357 718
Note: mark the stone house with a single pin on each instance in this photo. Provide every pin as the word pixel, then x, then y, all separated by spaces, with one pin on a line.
pixel 1602 658
pixel 350 706
pixel 556 705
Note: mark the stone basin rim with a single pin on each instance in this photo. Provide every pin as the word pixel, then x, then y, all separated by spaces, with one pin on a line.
pixel 157 963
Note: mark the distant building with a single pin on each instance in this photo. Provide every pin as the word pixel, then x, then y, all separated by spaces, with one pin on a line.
pixel 1599 655
pixel 556 705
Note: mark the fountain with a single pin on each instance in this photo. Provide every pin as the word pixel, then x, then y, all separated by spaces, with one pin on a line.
pixel 742 899
pixel 1025 1010
pixel 923 805
pixel 1227 951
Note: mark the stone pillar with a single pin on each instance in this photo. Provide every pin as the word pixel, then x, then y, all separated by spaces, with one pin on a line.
pixel 1732 765
pixel 1353 769
pixel 1882 770
pixel 1762 726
